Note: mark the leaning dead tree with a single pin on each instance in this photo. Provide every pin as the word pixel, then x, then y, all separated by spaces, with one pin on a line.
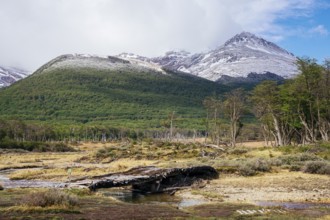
pixel 155 180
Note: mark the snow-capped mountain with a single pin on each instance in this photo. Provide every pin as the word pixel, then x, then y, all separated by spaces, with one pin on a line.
pixel 9 75
pixel 77 61
pixel 245 57
pixel 240 56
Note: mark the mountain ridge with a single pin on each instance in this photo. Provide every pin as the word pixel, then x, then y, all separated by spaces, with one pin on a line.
pixel 9 75
pixel 239 56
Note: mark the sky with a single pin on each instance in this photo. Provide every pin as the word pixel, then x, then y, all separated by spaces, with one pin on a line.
pixel 36 31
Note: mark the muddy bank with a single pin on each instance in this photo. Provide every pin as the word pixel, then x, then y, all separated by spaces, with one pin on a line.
pixel 155 180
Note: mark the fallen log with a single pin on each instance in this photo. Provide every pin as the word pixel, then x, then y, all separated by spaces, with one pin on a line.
pixel 156 180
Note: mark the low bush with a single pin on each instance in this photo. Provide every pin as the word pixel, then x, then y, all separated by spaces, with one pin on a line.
pixel 317 167
pixel 294 159
pixel 320 149
pixel 295 167
pixel 110 152
pixel 247 169
pixel 238 151
pixel 251 168
pixel 1 187
pixel 35 146
pixel 51 197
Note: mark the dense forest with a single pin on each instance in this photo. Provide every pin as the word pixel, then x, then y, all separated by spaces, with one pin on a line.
pixel 122 99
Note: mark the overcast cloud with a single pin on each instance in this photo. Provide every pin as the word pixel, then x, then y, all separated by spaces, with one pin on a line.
pixel 35 31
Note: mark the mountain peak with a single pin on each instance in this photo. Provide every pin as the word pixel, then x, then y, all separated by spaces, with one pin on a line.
pixel 241 55
pixel 243 37
pixel 251 41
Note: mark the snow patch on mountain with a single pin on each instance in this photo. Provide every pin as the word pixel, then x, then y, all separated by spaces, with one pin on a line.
pixel 9 75
pixel 77 61
pixel 141 61
pixel 241 55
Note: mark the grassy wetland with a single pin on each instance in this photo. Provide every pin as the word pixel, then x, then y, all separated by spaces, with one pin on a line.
pixel 255 181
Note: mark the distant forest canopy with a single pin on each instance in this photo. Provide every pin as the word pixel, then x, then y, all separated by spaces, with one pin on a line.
pixel 296 111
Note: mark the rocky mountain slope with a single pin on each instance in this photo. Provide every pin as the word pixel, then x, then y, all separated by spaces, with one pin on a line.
pixel 240 56
pixel 9 75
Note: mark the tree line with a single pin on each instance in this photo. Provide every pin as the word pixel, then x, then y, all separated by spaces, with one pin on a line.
pixel 22 131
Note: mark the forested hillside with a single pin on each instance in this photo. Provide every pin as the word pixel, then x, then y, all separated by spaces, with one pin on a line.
pixel 118 98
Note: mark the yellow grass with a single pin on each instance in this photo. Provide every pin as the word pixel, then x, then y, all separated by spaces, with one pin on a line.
pixel 297 180
pixel 267 153
pixel 38 209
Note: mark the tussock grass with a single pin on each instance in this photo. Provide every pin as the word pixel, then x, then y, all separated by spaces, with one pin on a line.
pixel 49 198
pixel 39 210
pixel 42 201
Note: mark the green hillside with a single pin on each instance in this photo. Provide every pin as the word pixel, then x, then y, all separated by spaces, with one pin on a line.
pixel 117 98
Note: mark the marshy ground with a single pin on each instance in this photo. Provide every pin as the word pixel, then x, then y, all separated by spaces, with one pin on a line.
pixel 293 181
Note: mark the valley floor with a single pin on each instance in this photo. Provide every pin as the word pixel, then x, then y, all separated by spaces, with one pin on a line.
pixel 276 194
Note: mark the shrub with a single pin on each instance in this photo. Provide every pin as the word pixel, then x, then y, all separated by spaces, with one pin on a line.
pixel 35 146
pixel 262 165
pixel 295 167
pixel 317 167
pixel 247 169
pixel 321 148
pixel 61 147
pixel 1 187
pixel 253 167
pixel 51 197
pixel 238 151
pixel 106 152
pixel 293 159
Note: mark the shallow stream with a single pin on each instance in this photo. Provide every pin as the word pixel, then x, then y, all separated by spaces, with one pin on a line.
pixel 7 183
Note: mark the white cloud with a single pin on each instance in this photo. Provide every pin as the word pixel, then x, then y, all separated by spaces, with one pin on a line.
pixel 319 29
pixel 34 31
